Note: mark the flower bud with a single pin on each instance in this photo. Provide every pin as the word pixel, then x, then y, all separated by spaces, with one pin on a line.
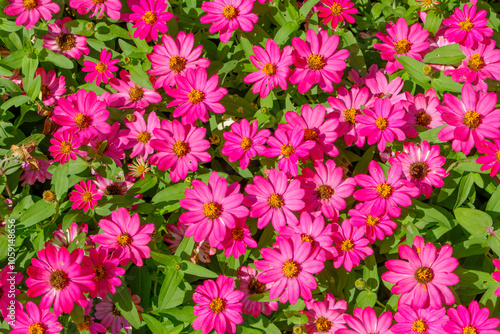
pixel 188 181
pixel 299 329
pixel 360 284
pixel 49 196
pixel 89 26
pixel 427 70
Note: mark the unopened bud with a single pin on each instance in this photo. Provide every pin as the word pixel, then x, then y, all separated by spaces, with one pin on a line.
pixel 427 70
pixel 299 329
pixel 126 60
pixel 49 196
pixel 178 266
pixel 264 110
pixel 188 181
pixel 131 117
pixel 89 26
pixel 360 284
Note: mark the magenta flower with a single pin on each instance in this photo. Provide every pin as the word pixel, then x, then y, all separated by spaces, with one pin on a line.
pixel 273 65
pixel 244 142
pixel 317 61
pixel 491 159
pixel 317 127
pixel 422 110
pixel 364 321
pixel 173 58
pixel 345 107
pixel 250 285
pixel 325 190
pixel 88 322
pixel 85 196
pixel 140 134
pixel 106 272
pixel 496 275
pixel 467 26
pixel 62 238
pixel 107 187
pixel 35 171
pixel 195 96
pixel 180 148
pixel 149 17
pixel 110 7
pixel 382 123
pixel 212 209
pixel 113 148
pixel 83 114
pixel 290 268
pixel 422 166
pixel 419 321
pixel 469 120
pixel 288 146
pixel 336 11
pixel 424 277
pixel 59 278
pixel 326 316
pixel 8 300
pixel 274 199
pixel 381 88
pixel 471 320
pixel 352 246
pixel 102 70
pixel 237 239
pixel 28 12
pixel 105 311
pixel 384 196
pixel 402 41
pixel 130 95
pixel 124 234
pixel 227 16
pixel 218 306
pixel 52 86
pixel 36 319
pixel 376 227
pixel 201 250
pixel 60 40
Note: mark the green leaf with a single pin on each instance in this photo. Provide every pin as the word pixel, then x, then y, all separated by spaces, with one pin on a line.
pixel 60 181
pixel 445 83
pixel 307 7
pixel 15 101
pixel 140 77
pixel 173 279
pixel 433 21
pixel 445 55
pixel 464 188
pixel 430 214
pixel 57 59
pixel 36 213
pixel 154 325
pixel 473 221
pixel 124 304
pixel 285 33
pixel 494 243
pixel 140 283
pixel 416 70
pixel 199 271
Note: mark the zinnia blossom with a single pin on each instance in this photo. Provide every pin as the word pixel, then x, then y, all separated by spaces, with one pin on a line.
pixel 317 61
pixel 62 238
pixel 111 317
pixel 140 134
pixel 28 12
pixel 35 171
pixel 419 321
pixel 402 41
pixel 36 319
pixel 218 306
pixel 124 234
pixel 102 70
pixel 290 268
pixel 469 120
pixel 352 246
pixel 423 278
pixel 326 316
pixel 336 11
pixel 381 88
pixel 59 278
pixel 106 272
pixel 201 250
pixel 273 199
pixel 496 275
pixel 422 110
pixel 250 285
pixel 227 16
pixel 195 96
pixel 377 227
pixel 88 322
pixel 113 148
pixel 491 157
pixel 52 86
pixel 8 300
pixel 244 142
pixel 365 321
pixel 467 26
pixel 110 7
pixel 131 95
pixel 149 17
pixel 237 239
pixel 273 65
pixel 212 209
pixel 60 40
pixel 85 196
pixel 472 319
pixel 107 187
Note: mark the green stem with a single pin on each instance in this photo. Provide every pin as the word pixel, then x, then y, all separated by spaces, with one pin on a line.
pixel 380 304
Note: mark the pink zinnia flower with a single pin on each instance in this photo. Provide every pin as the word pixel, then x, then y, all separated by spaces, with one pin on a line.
pixel 60 40
pixel 467 26
pixel 201 250
pixel 110 7
pixel 62 238
pixel 381 88
pixel 491 159
pixel 317 61
pixel 422 110
pixel 336 11
pixel 59 278
pixel 8 302
pixel 102 70
pixel 244 142
pixel 471 320
pixel 125 234
pixel 352 246
pixel 355 76
pixel 273 199
pixel 364 321
pixel 212 209
pixel 149 17
pixel 113 148
pixel 422 166
pixel 290 267
pixel 317 127
pixel 496 275
pixel 195 96
pixel 105 311
pixel 140 134
pixel 85 196
pixel 385 195
pixel 130 95
pixel 419 321
pixel 345 107
pixel 382 123
pixel 237 239
pixel 376 227
pixel 325 190
pixel 36 319
pixel 326 316
pixel 424 277
pixel 227 16
pixel 33 173
pixel 83 114
pixel 273 65
pixel 250 285
pixel 109 187
pixel 288 146
pixel 173 58
pixel 88 322
pixel 52 86
pixel 28 12
pixel 217 306
pixel 181 148
pixel 469 120
pixel 106 272
pixel 402 41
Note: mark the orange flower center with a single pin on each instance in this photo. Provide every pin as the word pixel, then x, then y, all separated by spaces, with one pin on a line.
pixel 384 190
pixel 310 134
pixel 37 328
pixel 497 156
pixel 30 4
pixel 323 325
pixel 149 17
pixel 116 312
pixel 316 62
pixel 82 121
pixel 45 91
pixel 475 62
pixel 324 191
pixel 85 324
pixel 269 69
pixel 419 326
pixel 347 245
pixel 469 330
pixel 246 143
pixel 136 93
pixel 230 12
pixel 472 119
pixel 423 118
pixel 276 201
pixel 100 67
pixel 372 221
pixel 100 273
pixel 350 115
pixel 466 25
pixel 402 46
pixel 256 287
pixel 180 148
pixel 308 238
pixel 124 239
pixel 66 147
pixel 336 9
pixel 196 96
pixel 237 234
pixel 419 170
pixel 381 123
pixel 113 189
pixel 65 42
pixel 424 275
pixel 287 150
pixel 290 269
pixel 177 64
pixel 59 279
pixel 218 305
pixel 87 196
pixel 143 137
pixel 212 210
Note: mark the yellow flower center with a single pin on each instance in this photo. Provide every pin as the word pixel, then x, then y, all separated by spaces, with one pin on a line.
pixel 37 328
pixel 87 196
pixel 136 93
pixel 290 268
pixel 59 279
pixel 424 275
pixel 30 4
pixel 466 25
pixel 143 137
pixel 323 325
pixel 256 287
pixel 427 2
pixel 419 326
pixel 269 69
pixel 275 201
pixel 237 234
pixel 45 91
pixel 124 239
pixel 212 210
pixel 246 143
pixel 287 150
pixel 316 62
pixel 384 190
pixel 82 121
pixel 177 64
pixel 402 46
pixel 472 119
pixel 372 221
pixel 99 2
pixel 65 42
pixel 497 156
pixel 419 170
pixel 324 191
pixel 381 123
pixel 475 62
pixel 100 67
pixel 149 17
pixel 85 324
pixel 116 312
pixel 350 115
pixel 66 147
pixel 310 134
pixel 230 12
pixel 423 118
pixel 469 330
pixel 336 9
pixel 218 305
pixel 180 148
pixel 308 238
pixel 196 96
pixel 100 273
pixel 347 245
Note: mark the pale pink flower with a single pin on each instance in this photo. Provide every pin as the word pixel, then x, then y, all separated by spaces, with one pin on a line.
pixel 250 285
pixel 60 40
pixel 52 86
